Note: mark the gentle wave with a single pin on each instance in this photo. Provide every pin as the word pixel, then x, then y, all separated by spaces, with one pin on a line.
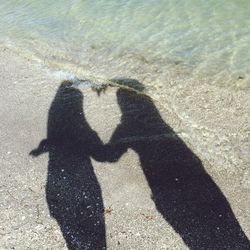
pixel 207 39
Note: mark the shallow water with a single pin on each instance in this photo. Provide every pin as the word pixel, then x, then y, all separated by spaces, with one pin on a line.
pixel 205 39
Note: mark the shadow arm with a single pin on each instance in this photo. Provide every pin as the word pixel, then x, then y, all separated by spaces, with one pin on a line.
pixel 115 148
pixel 42 148
pixel 110 152
pixel 114 151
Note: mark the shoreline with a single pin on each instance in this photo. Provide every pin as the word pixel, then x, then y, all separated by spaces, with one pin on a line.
pixel 101 65
pixel 213 122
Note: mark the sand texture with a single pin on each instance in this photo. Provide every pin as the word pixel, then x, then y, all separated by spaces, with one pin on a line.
pixel 121 170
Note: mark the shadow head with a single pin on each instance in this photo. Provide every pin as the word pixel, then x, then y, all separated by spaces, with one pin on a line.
pixel 129 83
pixel 131 97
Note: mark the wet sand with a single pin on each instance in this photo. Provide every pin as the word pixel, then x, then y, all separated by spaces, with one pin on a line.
pixel 213 122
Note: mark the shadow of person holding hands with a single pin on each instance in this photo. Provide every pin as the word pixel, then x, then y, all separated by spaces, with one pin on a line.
pixel 73 193
pixel 184 194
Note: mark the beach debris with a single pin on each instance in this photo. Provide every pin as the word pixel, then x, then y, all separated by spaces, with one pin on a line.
pixel 96 86
pixel 148 217
pixel 108 210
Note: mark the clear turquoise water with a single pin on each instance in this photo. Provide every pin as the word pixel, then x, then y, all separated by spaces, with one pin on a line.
pixel 209 37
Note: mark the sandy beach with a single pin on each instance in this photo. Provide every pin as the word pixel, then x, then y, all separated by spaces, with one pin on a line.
pixel 213 122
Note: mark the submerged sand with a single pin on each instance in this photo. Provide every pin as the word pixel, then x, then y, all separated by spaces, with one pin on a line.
pixel 212 121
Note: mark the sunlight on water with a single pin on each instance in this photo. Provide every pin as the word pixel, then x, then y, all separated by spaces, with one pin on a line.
pixel 210 38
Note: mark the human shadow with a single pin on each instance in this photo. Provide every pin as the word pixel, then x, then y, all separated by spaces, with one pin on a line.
pixel 73 193
pixel 183 192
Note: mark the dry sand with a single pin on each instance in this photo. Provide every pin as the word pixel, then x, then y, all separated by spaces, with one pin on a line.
pixel 213 122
